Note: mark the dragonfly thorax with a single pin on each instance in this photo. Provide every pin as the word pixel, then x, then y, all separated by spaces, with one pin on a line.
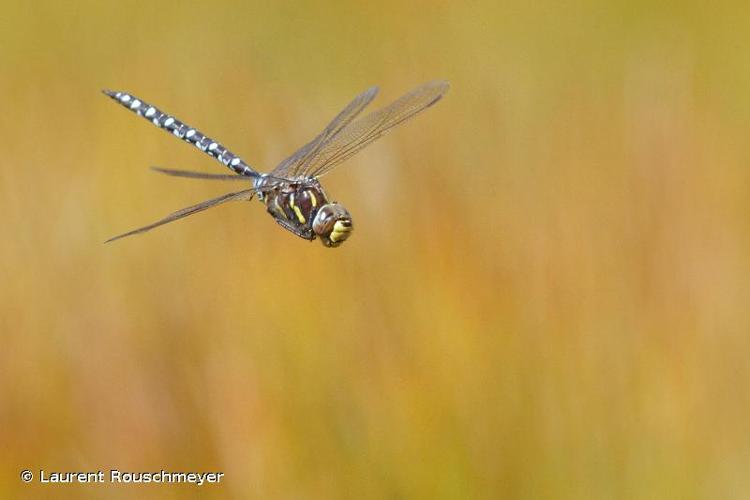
pixel 303 208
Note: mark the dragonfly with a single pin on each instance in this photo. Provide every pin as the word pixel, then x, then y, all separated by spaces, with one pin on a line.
pixel 291 192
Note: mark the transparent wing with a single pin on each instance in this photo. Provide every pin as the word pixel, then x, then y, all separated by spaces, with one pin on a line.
pixel 246 194
pixel 289 167
pixel 200 175
pixel 365 130
pixel 269 182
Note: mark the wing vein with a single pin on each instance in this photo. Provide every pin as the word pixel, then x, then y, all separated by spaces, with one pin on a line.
pixel 362 132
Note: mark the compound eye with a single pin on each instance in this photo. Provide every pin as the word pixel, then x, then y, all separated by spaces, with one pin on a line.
pixel 328 213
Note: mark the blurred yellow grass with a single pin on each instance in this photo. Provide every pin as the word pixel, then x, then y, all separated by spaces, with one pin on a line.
pixel 544 297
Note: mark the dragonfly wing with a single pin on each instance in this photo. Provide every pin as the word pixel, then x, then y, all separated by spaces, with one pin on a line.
pixel 289 167
pixel 269 183
pixel 246 194
pixel 200 175
pixel 364 131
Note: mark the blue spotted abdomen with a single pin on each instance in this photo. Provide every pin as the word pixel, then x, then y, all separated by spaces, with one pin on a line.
pixel 183 131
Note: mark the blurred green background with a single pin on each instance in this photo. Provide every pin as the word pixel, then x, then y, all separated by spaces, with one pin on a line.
pixel 546 294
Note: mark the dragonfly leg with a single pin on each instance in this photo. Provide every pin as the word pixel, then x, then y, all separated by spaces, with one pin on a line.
pixel 302 233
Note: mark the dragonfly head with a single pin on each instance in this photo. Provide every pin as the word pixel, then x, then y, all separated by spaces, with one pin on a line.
pixel 332 224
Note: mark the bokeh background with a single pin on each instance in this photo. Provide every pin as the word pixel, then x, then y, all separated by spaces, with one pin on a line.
pixel 546 294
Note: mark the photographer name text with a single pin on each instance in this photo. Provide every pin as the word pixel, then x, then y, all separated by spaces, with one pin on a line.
pixel 124 477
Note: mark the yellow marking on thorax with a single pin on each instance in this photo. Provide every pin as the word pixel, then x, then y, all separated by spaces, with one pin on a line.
pixel 276 204
pixel 296 209
pixel 313 199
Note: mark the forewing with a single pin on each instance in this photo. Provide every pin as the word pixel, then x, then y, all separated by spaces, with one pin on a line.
pixel 290 167
pixel 365 130
pixel 246 194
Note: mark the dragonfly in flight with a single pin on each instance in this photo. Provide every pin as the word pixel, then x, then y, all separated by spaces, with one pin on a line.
pixel 292 192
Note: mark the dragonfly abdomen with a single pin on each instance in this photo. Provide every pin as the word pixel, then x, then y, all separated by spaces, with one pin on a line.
pixel 184 132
